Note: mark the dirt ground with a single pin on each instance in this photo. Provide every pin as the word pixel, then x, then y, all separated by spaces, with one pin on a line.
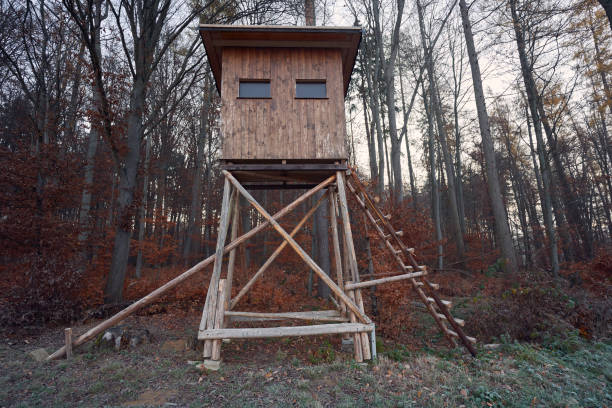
pixel 304 372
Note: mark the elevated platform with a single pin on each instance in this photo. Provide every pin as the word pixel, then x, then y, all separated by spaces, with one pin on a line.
pixel 282 174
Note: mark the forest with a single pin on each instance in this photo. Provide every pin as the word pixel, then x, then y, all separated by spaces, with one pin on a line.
pixel 481 126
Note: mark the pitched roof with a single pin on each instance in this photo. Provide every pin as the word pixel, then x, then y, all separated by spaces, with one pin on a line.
pixel 217 36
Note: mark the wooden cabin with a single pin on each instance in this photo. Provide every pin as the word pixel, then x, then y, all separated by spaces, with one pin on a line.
pixel 282 90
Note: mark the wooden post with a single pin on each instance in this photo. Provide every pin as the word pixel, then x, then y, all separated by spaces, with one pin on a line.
pixel 348 240
pixel 232 256
pixel 300 251
pixel 200 266
pixel 68 334
pixel 335 240
pixel 219 319
pixel 357 347
pixel 365 343
pixel 210 307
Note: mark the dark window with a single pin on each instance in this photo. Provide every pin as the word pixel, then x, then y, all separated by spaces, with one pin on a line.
pixel 254 89
pixel 310 89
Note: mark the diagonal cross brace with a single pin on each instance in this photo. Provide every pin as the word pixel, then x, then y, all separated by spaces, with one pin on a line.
pixel 316 268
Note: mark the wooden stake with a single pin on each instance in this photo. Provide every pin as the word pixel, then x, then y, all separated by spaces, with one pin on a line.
pixel 316 268
pixel 128 311
pixel 68 334
pixel 274 255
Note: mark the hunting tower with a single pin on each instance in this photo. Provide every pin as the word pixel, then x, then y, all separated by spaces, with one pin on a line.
pixel 283 126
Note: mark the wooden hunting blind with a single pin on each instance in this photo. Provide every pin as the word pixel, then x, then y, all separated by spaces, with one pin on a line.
pixel 282 90
pixel 283 126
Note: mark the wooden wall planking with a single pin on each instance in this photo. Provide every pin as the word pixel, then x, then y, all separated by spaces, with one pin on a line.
pixel 282 127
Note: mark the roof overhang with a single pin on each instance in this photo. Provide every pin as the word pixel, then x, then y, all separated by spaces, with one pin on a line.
pixel 218 36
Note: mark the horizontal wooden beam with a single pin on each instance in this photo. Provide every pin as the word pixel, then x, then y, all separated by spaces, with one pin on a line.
pixel 375 282
pixel 257 333
pixel 284 167
pixel 323 315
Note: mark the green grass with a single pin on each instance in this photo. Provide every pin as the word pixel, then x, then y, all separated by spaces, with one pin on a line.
pixel 570 372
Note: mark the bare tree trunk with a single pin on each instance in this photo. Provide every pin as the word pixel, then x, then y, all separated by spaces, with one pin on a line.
pixel 309 13
pixel 143 207
pixel 502 230
pixel 531 90
pixel 442 138
pixel 193 229
pixel 113 292
pixel 435 192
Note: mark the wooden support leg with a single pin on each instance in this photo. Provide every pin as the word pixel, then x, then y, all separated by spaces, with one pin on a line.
pixel 357 346
pixel 365 342
pixel 219 319
pixel 232 255
pixel 210 307
pixel 348 241
pixel 300 251
pixel 335 239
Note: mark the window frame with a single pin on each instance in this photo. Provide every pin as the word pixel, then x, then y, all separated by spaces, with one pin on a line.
pixel 311 81
pixel 255 81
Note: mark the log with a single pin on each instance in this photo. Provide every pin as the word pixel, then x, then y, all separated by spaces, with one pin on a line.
pixel 210 306
pixel 323 315
pixel 365 343
pixel 357 347
pixel 291 331
pixel 316 268
pixel 120 316
pixel 375 282
pixel 219 315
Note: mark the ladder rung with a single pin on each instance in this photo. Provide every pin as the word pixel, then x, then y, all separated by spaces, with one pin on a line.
pixel 399 234
pixel 460 322
pixel 434 286
pixel 444 302
pixel 454 334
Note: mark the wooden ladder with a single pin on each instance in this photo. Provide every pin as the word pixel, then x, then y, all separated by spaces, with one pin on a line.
pixel 404 256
